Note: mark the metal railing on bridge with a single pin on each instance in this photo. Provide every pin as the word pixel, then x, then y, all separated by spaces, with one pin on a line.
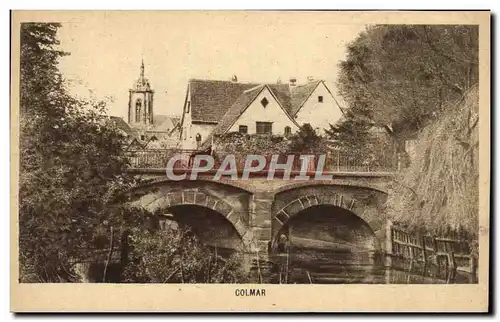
pixel 335 161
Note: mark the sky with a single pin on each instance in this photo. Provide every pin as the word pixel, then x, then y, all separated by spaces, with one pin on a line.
pixel 106 51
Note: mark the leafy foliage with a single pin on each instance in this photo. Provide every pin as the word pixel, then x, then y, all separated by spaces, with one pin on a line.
pixel 244 144
pixel 176 256
pixel 304 140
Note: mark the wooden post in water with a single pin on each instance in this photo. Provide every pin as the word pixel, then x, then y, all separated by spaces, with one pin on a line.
pixel 411 249
pixel 388 244
pixel 258 267
pixel 473 268
pixel 309 276
pixel 287 263
pixel 424 254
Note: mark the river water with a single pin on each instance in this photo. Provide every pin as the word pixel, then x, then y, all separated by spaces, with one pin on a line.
pixel 313 267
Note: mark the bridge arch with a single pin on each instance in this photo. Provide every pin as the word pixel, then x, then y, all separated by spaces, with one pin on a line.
pixel 360 206
pixel 182 198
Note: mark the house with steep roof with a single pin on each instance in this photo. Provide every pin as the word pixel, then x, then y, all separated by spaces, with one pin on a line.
pixel 313 103
pixel 215 107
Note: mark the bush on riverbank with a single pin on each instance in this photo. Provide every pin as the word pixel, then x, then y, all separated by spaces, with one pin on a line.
pixel 177 256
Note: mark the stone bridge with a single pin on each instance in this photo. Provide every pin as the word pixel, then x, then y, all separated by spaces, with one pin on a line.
pixel 252 214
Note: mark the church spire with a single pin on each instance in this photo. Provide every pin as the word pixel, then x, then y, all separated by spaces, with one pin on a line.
pixel 142 67
pixel 142 82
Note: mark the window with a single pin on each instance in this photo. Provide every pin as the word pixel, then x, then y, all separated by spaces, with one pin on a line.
pixel 264 102
pixel 143 137
pixel 138 105
pixel 264 127
pixel 288 130
pixel 320 99
pixel 243 129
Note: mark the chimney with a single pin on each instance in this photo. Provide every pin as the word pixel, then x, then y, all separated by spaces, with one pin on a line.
pixel 293 81
pixel 310 79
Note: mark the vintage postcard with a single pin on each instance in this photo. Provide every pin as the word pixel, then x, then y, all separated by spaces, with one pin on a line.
pixel 260 161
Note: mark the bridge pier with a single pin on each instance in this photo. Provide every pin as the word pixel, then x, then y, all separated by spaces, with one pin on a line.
pixel 260 220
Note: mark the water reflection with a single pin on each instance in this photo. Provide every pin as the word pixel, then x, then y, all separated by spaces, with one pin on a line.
pixel 301 266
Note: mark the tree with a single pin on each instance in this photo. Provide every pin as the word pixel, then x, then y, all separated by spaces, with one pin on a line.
pixel 306 140
pixel 401 76
pixel 349 134
pixel 71 165
pixel 420 81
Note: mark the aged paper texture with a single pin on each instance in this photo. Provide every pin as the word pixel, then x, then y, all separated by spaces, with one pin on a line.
pixel 260 161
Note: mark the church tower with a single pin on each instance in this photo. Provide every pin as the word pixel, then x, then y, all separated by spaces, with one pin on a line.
pixel 140 102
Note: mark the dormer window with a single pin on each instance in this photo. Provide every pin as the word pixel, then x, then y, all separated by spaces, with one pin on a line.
pixel 264 102
pixel 320 99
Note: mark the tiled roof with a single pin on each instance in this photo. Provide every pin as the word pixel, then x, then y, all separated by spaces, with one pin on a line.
pixel 121 124
pixel 232 114
pixel 135 144
pixel 282 93
pixel 210 99
pixel 165 122
pixel 300 94
pixel 243 101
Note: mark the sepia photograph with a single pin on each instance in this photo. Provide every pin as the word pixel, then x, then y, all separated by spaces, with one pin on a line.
pixel 255 150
